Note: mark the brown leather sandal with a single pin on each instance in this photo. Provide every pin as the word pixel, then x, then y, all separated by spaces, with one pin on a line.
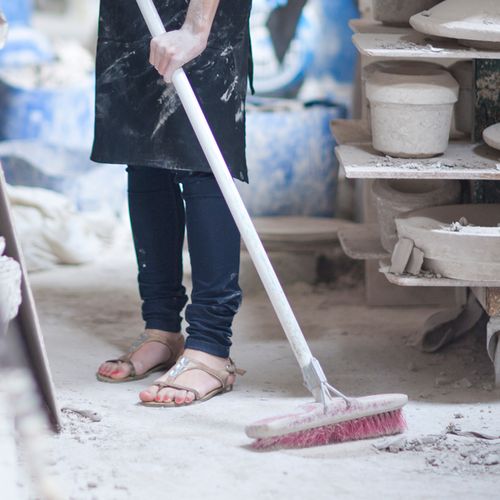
pixel 185 364
pixel 146 337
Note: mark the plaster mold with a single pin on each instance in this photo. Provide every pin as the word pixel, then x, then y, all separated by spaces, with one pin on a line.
pixel 467 250
pixel 395 197
pixel 398 12
pixel 411 110
pixel 475 23
pixel 390 65
pixel 491 136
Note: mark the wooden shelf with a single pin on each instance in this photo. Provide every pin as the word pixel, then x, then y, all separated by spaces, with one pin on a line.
pixel 423 280
pixel 410 44
pixel 462 160
pixel 362 242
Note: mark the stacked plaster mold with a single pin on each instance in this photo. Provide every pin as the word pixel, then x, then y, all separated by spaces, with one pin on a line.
pixel 396 197
pixel 473 23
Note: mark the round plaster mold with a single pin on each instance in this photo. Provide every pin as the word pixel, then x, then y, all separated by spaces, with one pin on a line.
pixel 396 65
pixel 411 110
pixel 458 241
pixel 491 136
pixel 398 12
pixel 395 197
pixel 473 22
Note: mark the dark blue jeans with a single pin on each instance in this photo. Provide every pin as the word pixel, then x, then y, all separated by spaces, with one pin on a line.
pixel 159 213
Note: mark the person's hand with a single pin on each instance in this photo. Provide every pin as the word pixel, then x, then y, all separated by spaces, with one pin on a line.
pixel 174 49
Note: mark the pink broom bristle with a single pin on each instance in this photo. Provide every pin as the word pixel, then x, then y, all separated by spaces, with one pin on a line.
pixel 384 424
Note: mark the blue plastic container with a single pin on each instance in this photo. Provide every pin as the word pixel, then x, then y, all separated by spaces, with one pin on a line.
pixel 292 165
pixel 62 116
pixel 17 11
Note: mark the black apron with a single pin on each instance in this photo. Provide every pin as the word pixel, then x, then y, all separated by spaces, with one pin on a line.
pixel 139 118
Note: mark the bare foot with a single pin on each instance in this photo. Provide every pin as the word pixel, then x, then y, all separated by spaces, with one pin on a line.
pixel 147 356
pixel 197 379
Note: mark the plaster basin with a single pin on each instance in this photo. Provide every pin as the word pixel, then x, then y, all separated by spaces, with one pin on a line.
pixel 475 23
pixel 491 136
pixel 466 250
pixel 398 12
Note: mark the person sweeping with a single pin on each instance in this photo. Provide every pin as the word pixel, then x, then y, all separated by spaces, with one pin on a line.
pixel 140 122
pixel 333 416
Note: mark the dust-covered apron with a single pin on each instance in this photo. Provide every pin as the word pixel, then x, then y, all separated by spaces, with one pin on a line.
pixel 139 118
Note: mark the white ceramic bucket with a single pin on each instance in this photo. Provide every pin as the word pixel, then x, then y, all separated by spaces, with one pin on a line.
pixel 411 110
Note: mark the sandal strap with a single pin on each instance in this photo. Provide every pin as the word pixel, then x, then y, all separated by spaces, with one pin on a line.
pixel 185 364
pixel 173 385
pixel 145 338
pixel 233 369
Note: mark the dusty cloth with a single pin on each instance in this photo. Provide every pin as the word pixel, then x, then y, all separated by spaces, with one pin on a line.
pixel 52 231
pixel 139 118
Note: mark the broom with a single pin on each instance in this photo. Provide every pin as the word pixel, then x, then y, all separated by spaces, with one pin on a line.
pixel 333 417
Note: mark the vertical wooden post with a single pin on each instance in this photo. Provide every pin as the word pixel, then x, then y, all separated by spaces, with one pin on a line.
pixel 486 113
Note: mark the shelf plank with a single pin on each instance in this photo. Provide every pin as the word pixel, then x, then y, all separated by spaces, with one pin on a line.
pixel 462 160
pixel 423 280
pixel 362 242
pixel 413 45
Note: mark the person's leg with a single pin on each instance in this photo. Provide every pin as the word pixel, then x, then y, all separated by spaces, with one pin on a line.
pixel 158 224
pixel 214 247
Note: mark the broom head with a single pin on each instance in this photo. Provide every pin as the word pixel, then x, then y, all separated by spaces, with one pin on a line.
pixel 315 424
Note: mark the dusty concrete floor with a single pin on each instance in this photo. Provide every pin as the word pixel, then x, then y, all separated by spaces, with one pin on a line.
pixel 90 314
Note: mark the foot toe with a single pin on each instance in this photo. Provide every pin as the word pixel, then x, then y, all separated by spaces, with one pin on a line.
pixel 104 369
pixel 168 395
pixel 149 394
pixel 119 374
pixel 180 397
pixel 189 398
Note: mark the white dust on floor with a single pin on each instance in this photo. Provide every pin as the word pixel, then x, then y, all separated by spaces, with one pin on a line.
pixel 91 313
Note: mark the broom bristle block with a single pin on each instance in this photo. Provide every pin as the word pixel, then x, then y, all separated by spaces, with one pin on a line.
pixel 384 424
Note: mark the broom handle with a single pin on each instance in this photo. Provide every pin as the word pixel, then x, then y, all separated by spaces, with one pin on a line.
pixel 233 199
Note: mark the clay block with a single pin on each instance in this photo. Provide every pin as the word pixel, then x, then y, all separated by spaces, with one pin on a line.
pixel 401 255
pixel 416 261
